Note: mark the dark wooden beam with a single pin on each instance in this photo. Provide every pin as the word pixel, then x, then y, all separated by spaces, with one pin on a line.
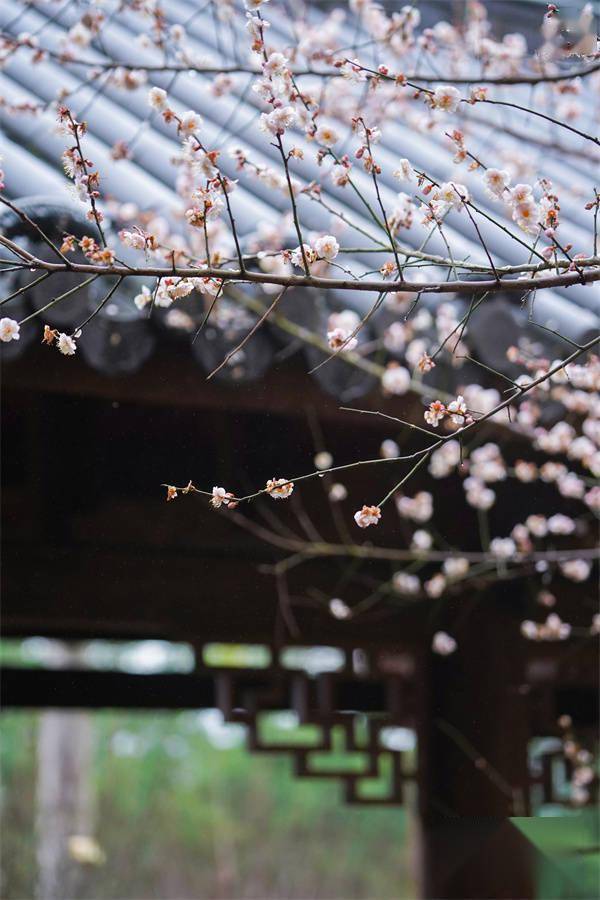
pixel 79 593
pixel 78 688
pixel 172 378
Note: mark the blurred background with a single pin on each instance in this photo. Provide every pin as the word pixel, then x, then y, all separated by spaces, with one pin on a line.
pixel 171 805
pixel 122 804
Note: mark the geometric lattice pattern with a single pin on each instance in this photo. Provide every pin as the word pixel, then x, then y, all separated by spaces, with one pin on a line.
pixel 331 741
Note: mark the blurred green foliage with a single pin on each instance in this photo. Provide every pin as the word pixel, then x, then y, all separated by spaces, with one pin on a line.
pixel 568 842
pixel 184 811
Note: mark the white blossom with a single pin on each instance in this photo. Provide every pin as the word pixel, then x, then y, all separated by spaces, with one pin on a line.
pixel 503 548
pixel 395 379
pixel 190 122
pixel 389 449
pixel 323 460
pixel 220 497
pixel 458 410
pixel 275 64
pixel 496 181
pixel 443 643
pixel 339 339
pixel 9 330
pixel 326 136
pixel 446 97
pixel 278 120
pixel 421 540
pixel 561 524
pixel 406 583
pixel 368 515
pixel 338 492
pixel 279 488
pixel 143 298
pixel 66 345
pixel 452 195
pixel 405 171
pixel 436 586
pixel 326 247
pixel 576 569
pixel 157 98
pixel 418 508
pixel 455 567
pixel 339 609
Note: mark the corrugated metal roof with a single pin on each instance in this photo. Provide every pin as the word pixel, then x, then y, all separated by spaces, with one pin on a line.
pixel 32 148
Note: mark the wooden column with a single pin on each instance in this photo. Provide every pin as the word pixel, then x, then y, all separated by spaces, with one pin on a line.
pixel 473 759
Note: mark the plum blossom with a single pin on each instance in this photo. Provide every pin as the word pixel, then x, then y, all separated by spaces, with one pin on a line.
pixel 537 526
pixel 487 463
pixel 496 181
pixel 570 485
pixel 394 338
pixel 389 449
pixel 520 193
pixel 443 643
pixel 275 64
pixel 527 215
pixel 368 515
pixel 353 71
pixel 477 494
pixel 143 298
pixel 326 136
pixel 444 460
pixel 418 508
pixel 405 171
pixel 323 460
pixel 458 410
pixel 576 569
pixel 525 471
pixel 220 497
pixel 561 524
pixel 452 195
pixel 446 97
pixel 66 344
pixel 421 540
pixel 436 586
pixel 455 567
pixel 326 247
pixel 279 488
pixel 339 175
pixel 339 609
pixel 341 327
pixel 338 492
pixel 339 339
pixel 9 330
pixel 425 364
pixel 553 629
pixel 278 120
pixel 296 255
pixel 157 98
pixel 190 122
pixel 401 215
pixel 396 379
pixel 406 583
pixel 503 548
pixel 436 412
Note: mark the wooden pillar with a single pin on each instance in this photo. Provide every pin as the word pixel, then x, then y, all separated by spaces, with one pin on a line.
pixel 64 798
pixel 473 760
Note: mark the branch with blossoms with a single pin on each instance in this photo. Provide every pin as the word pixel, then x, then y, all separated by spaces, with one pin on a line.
pixel 538 550
pixel 318 127
pixel 458 414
